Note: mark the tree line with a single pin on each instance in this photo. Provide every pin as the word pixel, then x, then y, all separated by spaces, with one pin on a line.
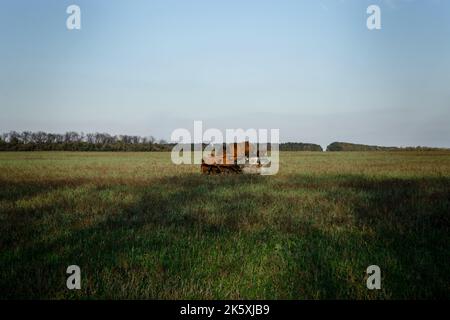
pixel 74 141
pixel 345 146
pixel 299 146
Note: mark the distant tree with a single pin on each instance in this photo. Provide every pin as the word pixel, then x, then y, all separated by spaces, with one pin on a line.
pixel 14 137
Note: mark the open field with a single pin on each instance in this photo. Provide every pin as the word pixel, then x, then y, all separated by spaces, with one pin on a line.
pixel 140 227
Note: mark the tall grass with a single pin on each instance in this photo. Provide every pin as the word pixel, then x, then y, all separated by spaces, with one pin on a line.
pixel 140 227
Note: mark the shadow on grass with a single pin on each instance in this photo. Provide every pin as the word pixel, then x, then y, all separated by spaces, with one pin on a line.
pixel 199 237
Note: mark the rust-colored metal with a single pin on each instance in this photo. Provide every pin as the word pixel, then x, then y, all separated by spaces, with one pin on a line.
pixel 228 163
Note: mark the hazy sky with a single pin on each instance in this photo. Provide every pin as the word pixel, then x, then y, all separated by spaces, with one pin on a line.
pixel 310 68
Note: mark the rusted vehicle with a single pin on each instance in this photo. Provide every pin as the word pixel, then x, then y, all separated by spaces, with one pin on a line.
pixel 237 158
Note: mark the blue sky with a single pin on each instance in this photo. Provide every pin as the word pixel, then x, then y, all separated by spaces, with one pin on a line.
pixel 310 68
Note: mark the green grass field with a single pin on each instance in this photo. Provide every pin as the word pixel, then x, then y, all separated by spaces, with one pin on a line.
pixel 141 227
